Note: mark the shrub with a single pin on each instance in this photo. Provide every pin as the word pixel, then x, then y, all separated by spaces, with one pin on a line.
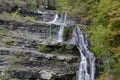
pixel 44 48
pixel 28 18
pixel 15 16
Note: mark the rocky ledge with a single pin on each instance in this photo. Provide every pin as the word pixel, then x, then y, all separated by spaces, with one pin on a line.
pixel 33 65
pixel 29 51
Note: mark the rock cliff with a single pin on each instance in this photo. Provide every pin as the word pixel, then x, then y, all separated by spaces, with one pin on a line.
pixel 29 51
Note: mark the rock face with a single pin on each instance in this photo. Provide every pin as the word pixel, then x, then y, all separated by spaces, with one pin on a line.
pixel 29 5
pixel 27 64
pixel 21 60
pixel 29 34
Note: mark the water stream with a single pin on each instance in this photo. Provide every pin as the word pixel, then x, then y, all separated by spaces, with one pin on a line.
pixel 85 72
pixel 87 64
pixel 55 19
pixel 63 24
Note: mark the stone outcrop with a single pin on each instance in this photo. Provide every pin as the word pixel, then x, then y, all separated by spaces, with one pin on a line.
pixel 21 59
pixel 27 64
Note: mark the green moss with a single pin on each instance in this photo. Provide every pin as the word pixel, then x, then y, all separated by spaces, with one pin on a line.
pixel 28 18
pixel 67 33
pixel 44 48
pixel 58 48
pixel 15 16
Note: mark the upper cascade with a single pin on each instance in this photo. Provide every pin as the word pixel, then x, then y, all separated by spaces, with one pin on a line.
pixel 55 18
pixel 87 57
pixel 63 24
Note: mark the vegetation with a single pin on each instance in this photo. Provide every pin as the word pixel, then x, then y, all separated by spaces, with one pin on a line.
pixel 15 16
pixel 101 16
pixel 3 42
pixel 58 48
pixel 45 49
pixel 67 34
pixel 104 31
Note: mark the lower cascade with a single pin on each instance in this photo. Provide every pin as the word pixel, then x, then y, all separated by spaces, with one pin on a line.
pixel 85 72
pixel 59 40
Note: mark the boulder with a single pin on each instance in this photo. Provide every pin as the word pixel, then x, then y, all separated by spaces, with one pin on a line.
pixel 46 74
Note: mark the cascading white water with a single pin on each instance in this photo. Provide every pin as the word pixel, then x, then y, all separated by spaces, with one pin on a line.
pixel 55 19
pixel 87 57
pixel 63 23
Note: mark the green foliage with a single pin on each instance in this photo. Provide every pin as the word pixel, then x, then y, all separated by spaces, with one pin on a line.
pixel 67 33
pixel 99 33
pixel 28 18
pixel 106 37
pixel 15 16
pixel 102 11
pixel 44 48
pixel 111 36
pixel 104 32
pixel 3 32
pixel 114 39
pixel 76 8
pixel 58 48
pixel 10 16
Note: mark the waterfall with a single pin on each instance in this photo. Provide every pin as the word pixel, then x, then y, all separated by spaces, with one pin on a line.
pixel 85 72
pixel 55 18
pixel 63 23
